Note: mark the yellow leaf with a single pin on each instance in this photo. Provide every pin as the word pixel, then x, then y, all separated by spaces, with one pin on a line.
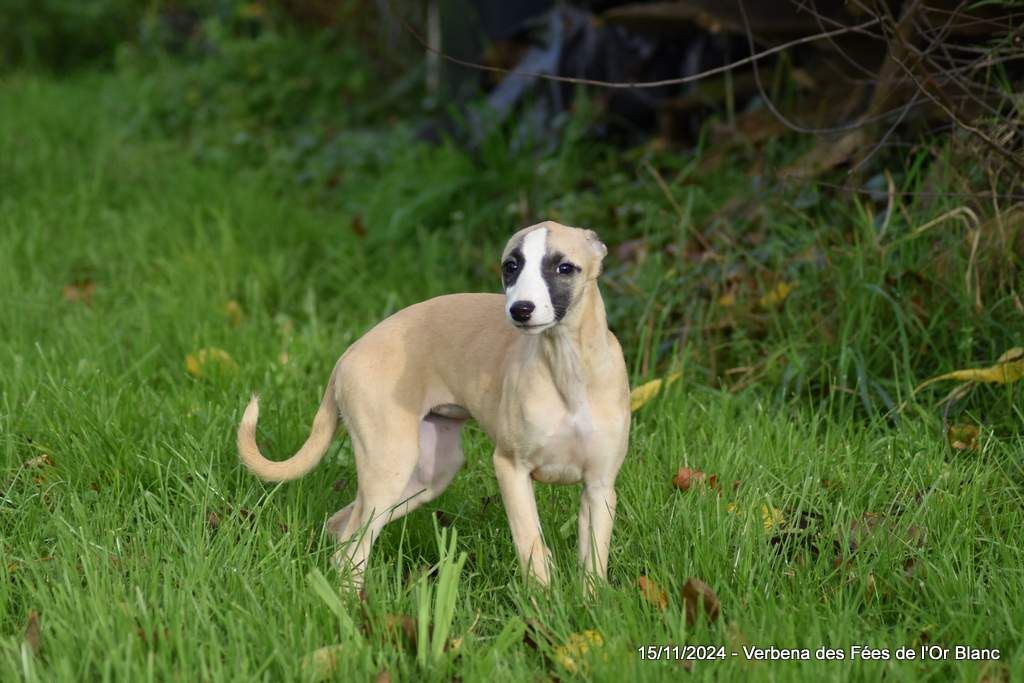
pixel 322 663
pixel 652 593
pixel 771 517
pixel 776 296
pixel 640 396
pixel 233 312
pixel 576 647
pixel 1008 369
pixel 727 300
pixel 210 360
pixel 732 509
pixel 963 437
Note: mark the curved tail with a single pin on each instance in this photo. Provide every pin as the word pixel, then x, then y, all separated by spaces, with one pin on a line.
pixel 324 425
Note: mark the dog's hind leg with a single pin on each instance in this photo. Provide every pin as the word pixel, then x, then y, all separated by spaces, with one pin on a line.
pixel 438 456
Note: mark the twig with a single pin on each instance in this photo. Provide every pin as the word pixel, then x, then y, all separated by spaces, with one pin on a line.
pixel 859 123
pixel 627 85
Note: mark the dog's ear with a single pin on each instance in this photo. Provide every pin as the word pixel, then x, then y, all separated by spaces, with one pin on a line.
pixel 596 244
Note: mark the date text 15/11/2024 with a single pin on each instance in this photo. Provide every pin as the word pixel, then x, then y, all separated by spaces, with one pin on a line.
pixel 852 653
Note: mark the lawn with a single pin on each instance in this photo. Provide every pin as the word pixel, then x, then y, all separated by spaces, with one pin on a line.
pixel 129 529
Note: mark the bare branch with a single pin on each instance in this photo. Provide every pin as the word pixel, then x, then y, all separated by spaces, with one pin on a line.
pixel 631 85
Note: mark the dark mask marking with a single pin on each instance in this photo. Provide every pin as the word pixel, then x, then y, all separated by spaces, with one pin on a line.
pixel 559 286
pixel 516 255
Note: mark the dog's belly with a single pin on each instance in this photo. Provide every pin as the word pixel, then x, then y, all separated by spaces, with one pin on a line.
pixel 451 410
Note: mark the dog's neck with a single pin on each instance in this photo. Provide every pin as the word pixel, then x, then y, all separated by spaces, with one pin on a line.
pixel 577 346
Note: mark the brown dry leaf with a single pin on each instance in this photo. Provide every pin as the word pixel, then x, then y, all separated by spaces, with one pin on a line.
pixel 79 292
pixel 400 625
pixel 571 654
pixel 384 676
pixel 33 636
pixel 233 312
pixel 43 460
pixel 1008 369
pixel 652 593
pixel 322 663
pixel 210 361
pixel 698 597
pixel 963 437
pixel 358 226
pixel 642 395
pixel 871 526
pixel 686 478
pixel 826 155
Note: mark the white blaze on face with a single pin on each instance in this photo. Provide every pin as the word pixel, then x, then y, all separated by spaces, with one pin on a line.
pixel 530 285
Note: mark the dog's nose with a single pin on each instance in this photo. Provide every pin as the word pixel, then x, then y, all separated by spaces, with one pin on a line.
pixel 521 310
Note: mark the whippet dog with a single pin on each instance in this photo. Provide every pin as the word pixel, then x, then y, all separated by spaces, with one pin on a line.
pixel 537 368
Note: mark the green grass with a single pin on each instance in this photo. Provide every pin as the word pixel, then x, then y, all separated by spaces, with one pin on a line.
pixel 149 554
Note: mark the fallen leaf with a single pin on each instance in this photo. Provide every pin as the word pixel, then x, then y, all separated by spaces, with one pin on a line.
pixel 358 226
pixel 652 593
pixel 686 478
pixel 383 677
pixel 776 295
pixel 1008 369
pixel 570 655
pixel 209 361
pixel 395 625
pixel 826 155
pixel 43 460
pixel 322 663
pixel 233 312
pixel 963 437
pixel 771 517
pixel 33 636
pixel 698 597
pixel 872 525
pixel 213 520
pixel 79 292
pixel 727 300
pixel 640 396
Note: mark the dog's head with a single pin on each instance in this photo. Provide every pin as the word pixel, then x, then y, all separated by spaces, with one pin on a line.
pixel 545 269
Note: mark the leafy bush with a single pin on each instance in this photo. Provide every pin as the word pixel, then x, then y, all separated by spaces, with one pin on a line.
pixel 61 34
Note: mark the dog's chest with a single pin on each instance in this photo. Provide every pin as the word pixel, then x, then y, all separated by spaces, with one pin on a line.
pixel 557 441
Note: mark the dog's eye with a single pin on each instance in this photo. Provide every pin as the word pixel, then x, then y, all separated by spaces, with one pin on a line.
pixel 509 267
pixel 566 268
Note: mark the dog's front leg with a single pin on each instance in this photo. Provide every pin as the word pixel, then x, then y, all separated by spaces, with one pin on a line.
pixel 517 494
pixel 597 514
